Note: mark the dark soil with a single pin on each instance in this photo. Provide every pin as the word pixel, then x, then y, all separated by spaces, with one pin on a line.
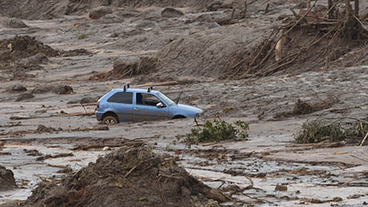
pixel 127 177
pixel 7 180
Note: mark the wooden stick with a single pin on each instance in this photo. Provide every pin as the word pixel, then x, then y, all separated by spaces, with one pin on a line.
pixel 130 171
pixel 365 137
pixel 332 7
pixel 267 6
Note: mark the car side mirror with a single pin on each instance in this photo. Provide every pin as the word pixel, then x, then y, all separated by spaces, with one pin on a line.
pixel 160 105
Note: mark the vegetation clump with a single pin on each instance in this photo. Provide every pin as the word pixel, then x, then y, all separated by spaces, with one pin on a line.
pixel 317 131
pixel 218 131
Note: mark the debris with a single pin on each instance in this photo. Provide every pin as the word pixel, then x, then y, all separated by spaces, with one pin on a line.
pixel 128 177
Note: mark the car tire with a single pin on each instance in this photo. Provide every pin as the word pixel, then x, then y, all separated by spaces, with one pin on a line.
pixel 179 117
pixel 109 120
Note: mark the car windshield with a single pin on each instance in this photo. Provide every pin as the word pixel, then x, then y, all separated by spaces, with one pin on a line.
pixel 166 99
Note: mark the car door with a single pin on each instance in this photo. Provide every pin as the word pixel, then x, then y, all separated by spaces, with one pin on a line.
pixel 146 109
pixel 122 104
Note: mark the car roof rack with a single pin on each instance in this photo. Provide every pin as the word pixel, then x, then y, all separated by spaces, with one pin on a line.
pixel 149 89
pixel 126 86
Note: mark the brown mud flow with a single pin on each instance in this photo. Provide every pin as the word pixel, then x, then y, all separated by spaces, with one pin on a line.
pixel 278 65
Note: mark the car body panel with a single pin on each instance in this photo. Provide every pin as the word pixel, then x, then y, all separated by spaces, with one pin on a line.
pixel 146 105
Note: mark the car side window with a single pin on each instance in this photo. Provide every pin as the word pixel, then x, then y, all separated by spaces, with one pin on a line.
pixel 121 97
pixel 147 99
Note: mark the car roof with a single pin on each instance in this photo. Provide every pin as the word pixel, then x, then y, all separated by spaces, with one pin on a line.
pixel 138 90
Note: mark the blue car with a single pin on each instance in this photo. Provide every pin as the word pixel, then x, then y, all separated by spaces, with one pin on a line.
pixel 135 104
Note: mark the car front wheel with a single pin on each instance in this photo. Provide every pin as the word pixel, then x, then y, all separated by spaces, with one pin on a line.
pixel 109 120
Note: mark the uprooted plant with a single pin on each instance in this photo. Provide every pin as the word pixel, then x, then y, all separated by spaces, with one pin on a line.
pixel 217 131
pixel 321 130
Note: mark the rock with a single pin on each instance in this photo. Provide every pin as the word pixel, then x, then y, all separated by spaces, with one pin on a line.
pixel 99 12
pixel 171 12
pixel 24 96
pixel 42 89
pixel 16 88
pixel 280 187
pixel 7 180
pixel 63 89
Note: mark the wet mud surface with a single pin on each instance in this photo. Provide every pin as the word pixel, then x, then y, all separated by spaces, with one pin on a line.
pixel 47 134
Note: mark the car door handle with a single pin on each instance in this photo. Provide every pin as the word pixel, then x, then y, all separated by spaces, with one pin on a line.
pixel 136 109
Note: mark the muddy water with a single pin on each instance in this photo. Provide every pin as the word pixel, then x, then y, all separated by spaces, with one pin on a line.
pixel 29 170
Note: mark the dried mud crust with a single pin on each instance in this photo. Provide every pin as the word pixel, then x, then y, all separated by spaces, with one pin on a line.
pixel 127 177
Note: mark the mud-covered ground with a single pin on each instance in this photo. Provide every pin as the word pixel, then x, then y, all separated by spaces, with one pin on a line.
pixel 47 102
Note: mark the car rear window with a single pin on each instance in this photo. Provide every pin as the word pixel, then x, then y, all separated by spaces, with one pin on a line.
pixel 121 97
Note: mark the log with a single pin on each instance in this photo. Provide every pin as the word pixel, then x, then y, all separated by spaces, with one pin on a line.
pixel 167 83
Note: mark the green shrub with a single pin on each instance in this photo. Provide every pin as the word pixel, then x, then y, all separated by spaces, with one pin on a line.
pixel 81 35
pixel 218 131
pixel 340 129
pixel 318 131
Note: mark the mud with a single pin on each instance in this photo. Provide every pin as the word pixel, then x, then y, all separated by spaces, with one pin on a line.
pixel 84 58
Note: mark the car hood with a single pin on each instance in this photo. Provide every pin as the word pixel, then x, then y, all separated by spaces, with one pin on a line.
pixel 189 111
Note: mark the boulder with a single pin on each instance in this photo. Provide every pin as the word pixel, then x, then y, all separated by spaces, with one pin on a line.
pixel 171 13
